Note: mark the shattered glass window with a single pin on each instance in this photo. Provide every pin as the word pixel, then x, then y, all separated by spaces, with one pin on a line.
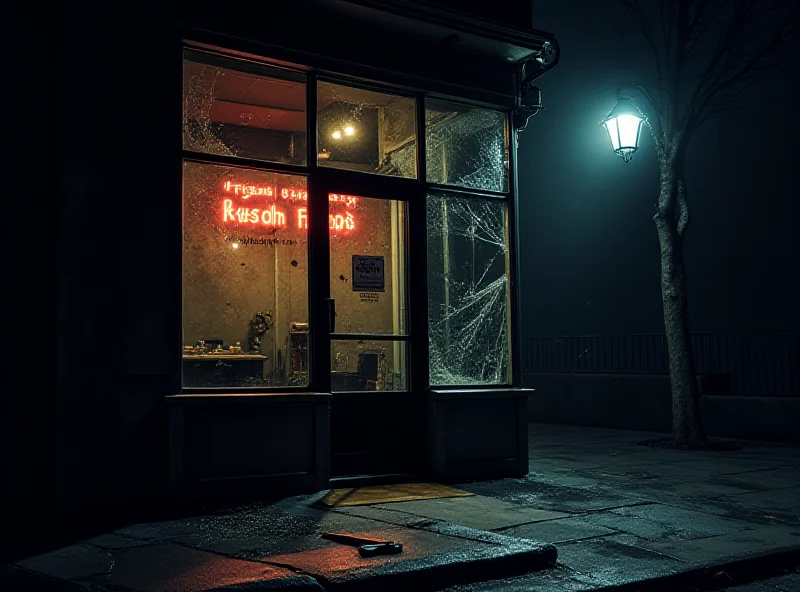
pixel 466 146
pixel 240 109
pixel 468 290
pixel 362 130
pixel 245 278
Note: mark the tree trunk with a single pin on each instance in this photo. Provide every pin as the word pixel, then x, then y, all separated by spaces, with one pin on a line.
pixel 671 222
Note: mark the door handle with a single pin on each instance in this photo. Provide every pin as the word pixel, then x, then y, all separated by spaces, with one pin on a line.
pixel 332 314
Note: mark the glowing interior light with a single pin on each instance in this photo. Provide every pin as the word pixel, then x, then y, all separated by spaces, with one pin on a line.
pixel 336 135
pixel 349 130
pixel 235 245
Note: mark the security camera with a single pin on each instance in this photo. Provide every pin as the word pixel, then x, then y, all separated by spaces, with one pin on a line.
pixel 547 54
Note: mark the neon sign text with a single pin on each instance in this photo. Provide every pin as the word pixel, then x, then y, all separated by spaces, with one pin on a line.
pixel 273 217
pixel 267 217
pixel 291 193
pixel 247 190
pixel 348 200
pixel 335 221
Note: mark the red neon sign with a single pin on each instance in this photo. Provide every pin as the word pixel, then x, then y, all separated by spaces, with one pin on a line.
pixel 268 216
pixel 273 217
pixel 247 190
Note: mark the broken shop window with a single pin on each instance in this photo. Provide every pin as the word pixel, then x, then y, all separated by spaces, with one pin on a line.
pixel 466 146
pixel 468 290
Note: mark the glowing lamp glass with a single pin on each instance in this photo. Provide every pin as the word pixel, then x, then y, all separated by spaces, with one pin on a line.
pixel 349 130
pixel 336 135
pixel 624 127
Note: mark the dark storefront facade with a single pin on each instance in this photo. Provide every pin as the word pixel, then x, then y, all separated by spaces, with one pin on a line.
pixel 287 248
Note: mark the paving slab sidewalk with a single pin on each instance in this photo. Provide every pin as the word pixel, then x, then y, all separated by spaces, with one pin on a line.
pixel 785 583
pixel 277 547
pixel 619 515
pixel 635 515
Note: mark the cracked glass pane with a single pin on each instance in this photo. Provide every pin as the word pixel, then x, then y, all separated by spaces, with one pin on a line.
pixel 466 146
pixel 468 290
pixel 362 130
pixel 233 109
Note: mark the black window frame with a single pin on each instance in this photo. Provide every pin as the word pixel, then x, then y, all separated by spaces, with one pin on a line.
pixel 324 179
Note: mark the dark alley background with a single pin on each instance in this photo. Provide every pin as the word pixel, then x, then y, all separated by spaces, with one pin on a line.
pixel 589 250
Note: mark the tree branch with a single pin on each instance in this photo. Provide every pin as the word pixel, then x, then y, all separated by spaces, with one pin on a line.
pixel 700 23
pixel 666 24
pixel 657 139
pixel 737 61
pixel 676 53
pixel 655 114
pixel 649 96
pixel 634 8
pixel 714 68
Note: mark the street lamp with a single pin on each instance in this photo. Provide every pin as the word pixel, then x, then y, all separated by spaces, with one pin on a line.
pixel 624 127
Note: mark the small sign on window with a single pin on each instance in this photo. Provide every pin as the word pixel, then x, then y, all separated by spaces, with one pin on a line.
pixel 368 273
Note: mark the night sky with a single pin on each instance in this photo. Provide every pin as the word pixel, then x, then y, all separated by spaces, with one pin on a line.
pixel 589 250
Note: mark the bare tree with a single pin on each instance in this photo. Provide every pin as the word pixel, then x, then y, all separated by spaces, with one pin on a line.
pixel 706 56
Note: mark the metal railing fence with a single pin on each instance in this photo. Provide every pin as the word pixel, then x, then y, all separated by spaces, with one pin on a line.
pixel 744 362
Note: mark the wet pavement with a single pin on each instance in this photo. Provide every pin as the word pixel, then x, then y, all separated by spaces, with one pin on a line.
pixel 277 546
pixel 620 516
pixel 784 583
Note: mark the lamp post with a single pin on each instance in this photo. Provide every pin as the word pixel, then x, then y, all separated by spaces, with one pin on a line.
pixel 624 127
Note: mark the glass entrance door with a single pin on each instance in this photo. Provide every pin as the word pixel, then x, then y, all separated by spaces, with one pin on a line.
pixel 367 178
pixel 368 294
pixel 373 415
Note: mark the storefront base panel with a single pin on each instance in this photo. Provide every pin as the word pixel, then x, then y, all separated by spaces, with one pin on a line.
pixel 239 446
pixel 479 433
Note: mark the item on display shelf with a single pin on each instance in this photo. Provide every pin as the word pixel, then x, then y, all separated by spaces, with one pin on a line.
pixel 213 345
pixel 298 349
pixel 198 348
pixel 260 324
